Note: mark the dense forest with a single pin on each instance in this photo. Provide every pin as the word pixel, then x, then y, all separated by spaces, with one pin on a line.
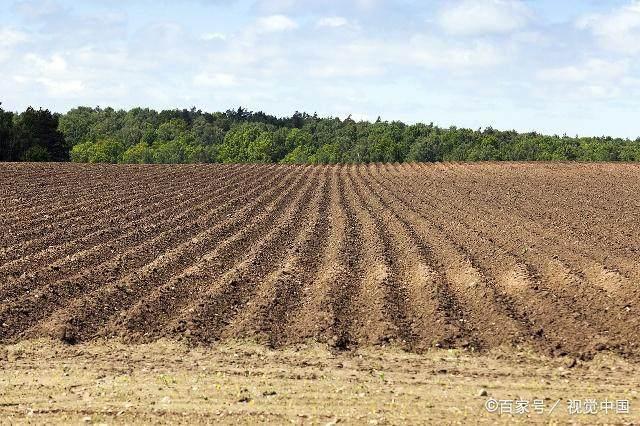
pixel 142 135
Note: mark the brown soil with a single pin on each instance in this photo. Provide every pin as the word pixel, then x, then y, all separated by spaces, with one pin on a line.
pixel 468 256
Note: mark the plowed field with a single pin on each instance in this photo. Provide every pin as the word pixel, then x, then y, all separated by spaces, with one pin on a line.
pixel 476 256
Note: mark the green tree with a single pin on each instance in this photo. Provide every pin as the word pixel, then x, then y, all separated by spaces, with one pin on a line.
pixel 6 135
pixel 102 151
pixel 36 153
pixel 327 154
pixel 76 125
pixel 235 148
pixel 176 151
pixel 261 150
pixel 383 149
pixel 630 151
pixel 140 153
pixel 205 133
pixel 143 135
pixel 82 152
pixel 300 155
pixel 425 148
pixel 38 128
pixel 171 130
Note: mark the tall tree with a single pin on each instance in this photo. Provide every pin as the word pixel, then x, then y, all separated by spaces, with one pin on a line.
pixel 6 135
pixel 39 128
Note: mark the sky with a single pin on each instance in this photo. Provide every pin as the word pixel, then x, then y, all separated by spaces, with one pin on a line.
pixel 570 66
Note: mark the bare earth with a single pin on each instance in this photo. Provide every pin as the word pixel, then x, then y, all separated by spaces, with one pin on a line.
pixel 243 383
pixel 426 283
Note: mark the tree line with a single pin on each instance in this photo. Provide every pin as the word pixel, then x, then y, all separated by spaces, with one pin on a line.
pixel 142 135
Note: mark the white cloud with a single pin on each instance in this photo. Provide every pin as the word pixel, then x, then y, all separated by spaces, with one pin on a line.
pixel 436 53
pixel 590 71
pixel 90 57
pixel 43 66
pixel 311 7
pixel 477 17
pixel 10 37
pixel 275 23
pixel 478 59
pixel 367 58
pixel 51 73
pixel 62 88
pixel 213 36
pixel 214 80
pixel 593 79
pixel 53 86
pixel 345 70
pixel 332 22
pixel 271 6
pixel 618 30
pixel 34 9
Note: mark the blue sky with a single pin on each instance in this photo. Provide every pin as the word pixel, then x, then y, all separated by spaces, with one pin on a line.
pixel 552 66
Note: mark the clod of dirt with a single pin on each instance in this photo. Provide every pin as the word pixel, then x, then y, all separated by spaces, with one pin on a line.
pixel 68 334
pixel 559 353
pixel 341 344
pixel 570 363
pixel 483 392
pixel 182 326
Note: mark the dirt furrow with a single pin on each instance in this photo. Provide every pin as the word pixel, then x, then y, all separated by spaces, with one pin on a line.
pixel 267 315
pixel 389 280
pixel 590 307
pixel 143 259
pixel 553 324
pixel 476 256
pixel 554 222
pixel 218 306
pixel 345 276
pixel 35 272
pixel 31 193
pixel 53 212
pixel 58 252
pixel 576 189
pixel 458 329
pixel 421 299
pixel 29 182
pixel 313 318
pixel 108 209
pixel 490 316
pixel 154 313
pixel 376 314
pixel 86 315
